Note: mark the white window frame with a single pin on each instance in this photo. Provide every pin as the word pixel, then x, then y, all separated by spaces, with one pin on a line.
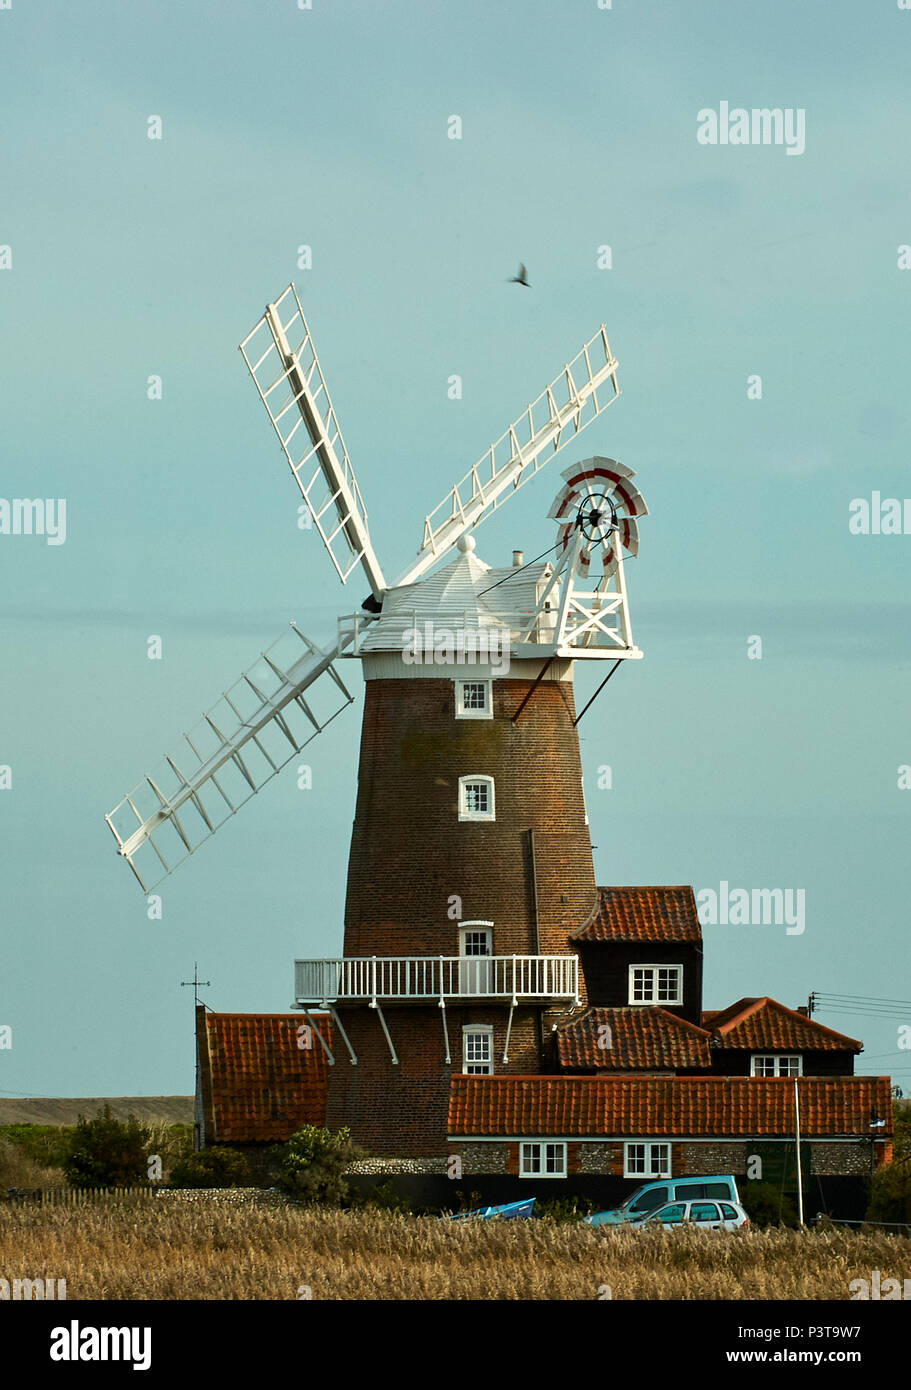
pixel 678 998
pixel 559 1148
pixel 484 1030
pixel 648 1172
pixel 460 710
pixel 474 779
pixel 777 1058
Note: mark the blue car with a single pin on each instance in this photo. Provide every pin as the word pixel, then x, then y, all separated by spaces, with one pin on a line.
pixel 645 1199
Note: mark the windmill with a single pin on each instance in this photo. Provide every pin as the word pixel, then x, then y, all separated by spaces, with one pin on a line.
pixel 435 748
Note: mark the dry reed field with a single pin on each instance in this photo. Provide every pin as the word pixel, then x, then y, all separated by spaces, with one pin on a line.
pixel 190 1250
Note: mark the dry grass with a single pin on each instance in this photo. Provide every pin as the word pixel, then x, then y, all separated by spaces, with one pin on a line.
pixel 173 1249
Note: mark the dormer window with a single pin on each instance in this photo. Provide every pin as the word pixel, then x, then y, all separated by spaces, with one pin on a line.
pixel 473 699
pixel 776 1064
pixel 656 984
pixel 476 800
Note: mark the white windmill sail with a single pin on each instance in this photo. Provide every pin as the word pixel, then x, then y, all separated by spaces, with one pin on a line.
pixel 586 386
pixel 282 361
pixel 256 727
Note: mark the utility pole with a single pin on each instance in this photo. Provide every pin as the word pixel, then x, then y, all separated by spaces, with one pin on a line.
pixel 799 1172
pixel 197 1098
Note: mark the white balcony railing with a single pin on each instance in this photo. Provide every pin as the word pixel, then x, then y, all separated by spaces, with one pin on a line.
pixel 436 978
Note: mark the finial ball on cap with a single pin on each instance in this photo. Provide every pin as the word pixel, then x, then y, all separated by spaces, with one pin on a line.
pixel 466 544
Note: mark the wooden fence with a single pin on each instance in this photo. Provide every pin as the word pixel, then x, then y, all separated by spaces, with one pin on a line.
pixel 80 1196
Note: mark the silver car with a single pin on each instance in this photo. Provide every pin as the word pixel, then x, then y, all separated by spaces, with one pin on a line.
pixel 707 1216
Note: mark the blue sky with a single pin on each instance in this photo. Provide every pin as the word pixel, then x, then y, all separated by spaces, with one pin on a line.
pixel 328 127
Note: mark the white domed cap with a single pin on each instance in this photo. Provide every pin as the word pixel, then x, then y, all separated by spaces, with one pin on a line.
pixel 466 544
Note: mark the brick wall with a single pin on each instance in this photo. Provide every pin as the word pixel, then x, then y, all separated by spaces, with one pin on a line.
pixel 403 1109
pixel 410 853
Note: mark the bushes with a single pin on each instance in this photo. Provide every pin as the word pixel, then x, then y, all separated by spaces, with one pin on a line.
pixel 890 1193
pixel 766 1205
pixel 19 1169
pixel 106 1152
pixel 222 1167
pixel 310 1166
pixel 46 1145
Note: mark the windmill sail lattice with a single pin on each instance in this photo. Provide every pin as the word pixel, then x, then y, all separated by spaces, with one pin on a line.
pixel 271 713
pixel 586 386
pixel 257 727
pixel 282 361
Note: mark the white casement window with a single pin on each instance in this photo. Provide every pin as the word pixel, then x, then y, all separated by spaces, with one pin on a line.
pixel 641 1160
pixel 477 1049
pixel 542 1160
pixel 656 984
pixel 473 699
pixel 776 1064
pixel 476 800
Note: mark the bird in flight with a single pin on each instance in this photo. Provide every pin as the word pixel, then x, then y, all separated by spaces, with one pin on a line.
pixel 521 278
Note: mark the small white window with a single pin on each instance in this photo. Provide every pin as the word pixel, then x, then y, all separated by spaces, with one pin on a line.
pixel 642 1160
pixel 476 801
pixel 477 1049
pixel 542 1160
pixel 473 699
pixel 776 1064
pixel 656 984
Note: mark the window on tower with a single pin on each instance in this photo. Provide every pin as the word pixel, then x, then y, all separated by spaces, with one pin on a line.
pixel 477 1049
pixel 476 799
pixel 473 699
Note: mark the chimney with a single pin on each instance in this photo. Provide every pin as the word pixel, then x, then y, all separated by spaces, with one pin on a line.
pixel 518 557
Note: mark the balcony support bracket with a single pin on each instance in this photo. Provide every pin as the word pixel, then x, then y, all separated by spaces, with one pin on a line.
pixel 338 1023
pixel 508 1031
pixel 379 1014
pixel 445 1031
pixel 325 1046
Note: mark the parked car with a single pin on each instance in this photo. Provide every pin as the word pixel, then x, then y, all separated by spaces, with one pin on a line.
pixel 721 1187
pixel 708 1216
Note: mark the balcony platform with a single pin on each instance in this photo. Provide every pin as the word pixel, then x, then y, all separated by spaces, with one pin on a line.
pixel 375 980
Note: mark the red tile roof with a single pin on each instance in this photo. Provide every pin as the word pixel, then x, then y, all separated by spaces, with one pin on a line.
pixel 642 914
pixel 631 1039
pixel 257 1083
pixel 764 1024
pixel 680 1106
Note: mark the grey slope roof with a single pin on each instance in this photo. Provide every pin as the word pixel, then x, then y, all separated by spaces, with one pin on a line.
pixel 462 597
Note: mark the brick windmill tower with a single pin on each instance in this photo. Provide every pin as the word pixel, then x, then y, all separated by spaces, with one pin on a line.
pixel 470 858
